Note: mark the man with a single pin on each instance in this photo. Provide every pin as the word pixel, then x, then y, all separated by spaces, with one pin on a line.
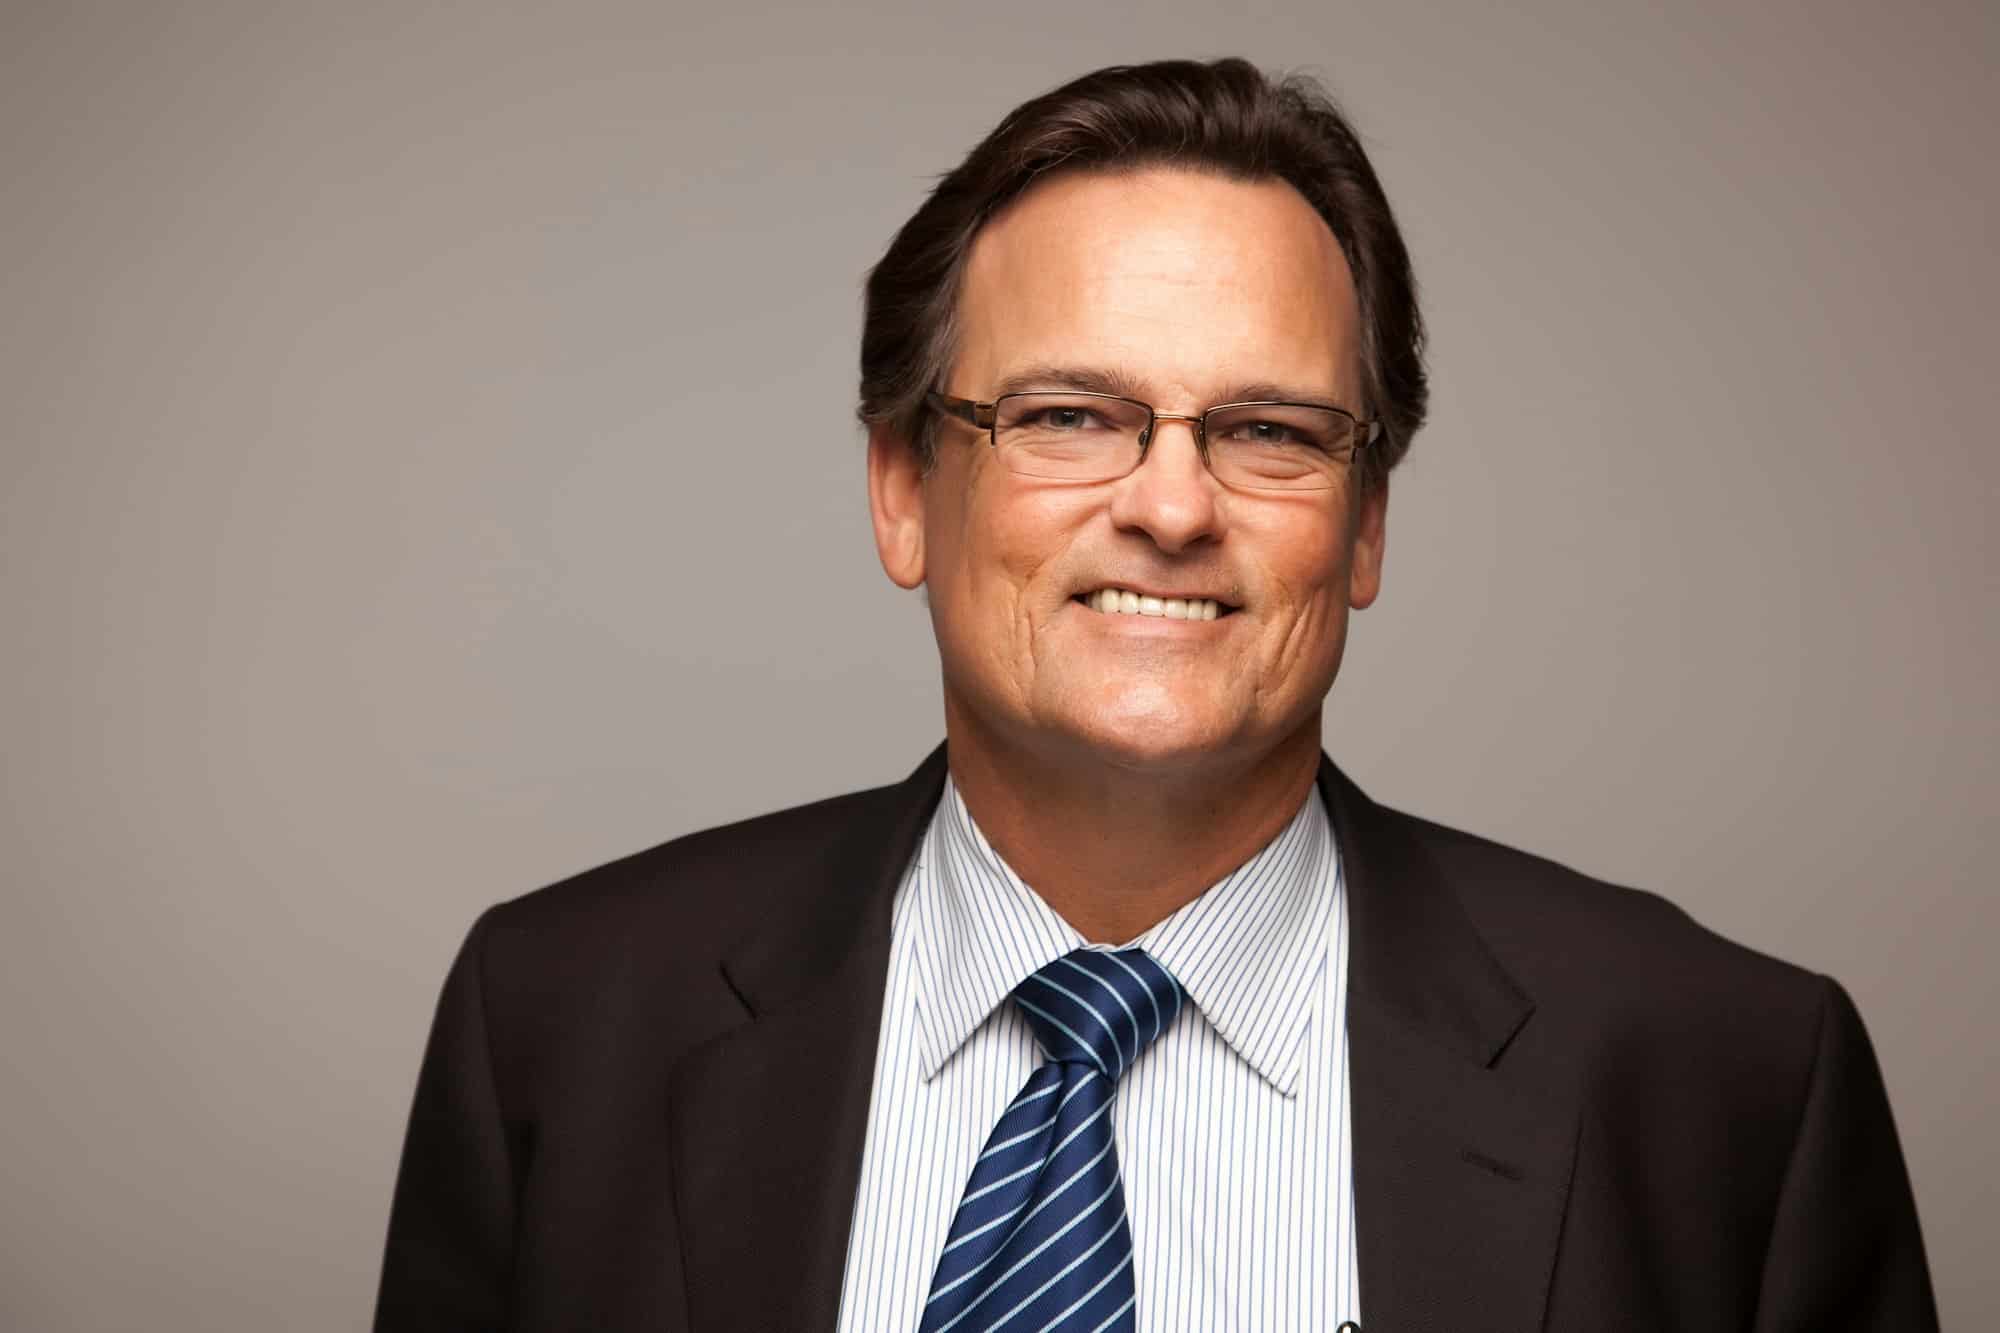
pixel 1127 1009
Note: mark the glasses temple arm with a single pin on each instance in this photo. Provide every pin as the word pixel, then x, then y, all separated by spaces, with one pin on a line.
pixel 973 414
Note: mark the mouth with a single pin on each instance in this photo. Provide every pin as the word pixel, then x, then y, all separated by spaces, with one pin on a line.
pixel 1115 601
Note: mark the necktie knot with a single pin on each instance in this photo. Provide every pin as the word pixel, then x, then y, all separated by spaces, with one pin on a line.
pixel 1099 1008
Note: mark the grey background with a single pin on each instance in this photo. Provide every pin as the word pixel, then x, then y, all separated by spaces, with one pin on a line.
pixel 429 470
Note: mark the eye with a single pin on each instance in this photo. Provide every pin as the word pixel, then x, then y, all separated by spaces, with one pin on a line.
pixel 1274 434
pixel 1069 418
pixel 1064 418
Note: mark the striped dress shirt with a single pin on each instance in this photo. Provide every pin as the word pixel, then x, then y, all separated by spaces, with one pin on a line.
pixel 1233 1130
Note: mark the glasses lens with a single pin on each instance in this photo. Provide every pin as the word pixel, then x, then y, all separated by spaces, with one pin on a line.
pixel 1279 446
pixel 1068 436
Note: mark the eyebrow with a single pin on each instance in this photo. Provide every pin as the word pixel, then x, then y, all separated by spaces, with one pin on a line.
pixel 1084 379
pixel 1123 384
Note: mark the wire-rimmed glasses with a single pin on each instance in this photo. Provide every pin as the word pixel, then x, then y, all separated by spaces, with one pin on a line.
pixel 1073 435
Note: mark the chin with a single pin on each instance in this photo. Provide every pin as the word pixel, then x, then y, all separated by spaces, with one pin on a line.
pixel 1154 733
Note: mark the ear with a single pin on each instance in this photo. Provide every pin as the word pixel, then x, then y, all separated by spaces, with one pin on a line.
pixel 896 504
pixel 1364 571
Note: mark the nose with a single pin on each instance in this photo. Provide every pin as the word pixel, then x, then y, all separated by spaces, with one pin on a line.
pixel 1171 496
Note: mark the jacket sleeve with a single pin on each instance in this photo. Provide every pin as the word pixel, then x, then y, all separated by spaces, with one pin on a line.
pixel 1845 1251
pixel 446 1266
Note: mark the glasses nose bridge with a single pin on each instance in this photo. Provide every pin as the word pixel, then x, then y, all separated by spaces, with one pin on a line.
pixel 1197 424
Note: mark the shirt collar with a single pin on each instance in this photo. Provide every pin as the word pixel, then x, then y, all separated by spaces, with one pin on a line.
pixel 1246 950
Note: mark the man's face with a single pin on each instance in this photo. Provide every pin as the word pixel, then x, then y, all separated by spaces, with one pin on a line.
pixel 1188 290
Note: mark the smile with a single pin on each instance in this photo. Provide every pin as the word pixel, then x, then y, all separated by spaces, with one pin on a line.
pixel 1123 601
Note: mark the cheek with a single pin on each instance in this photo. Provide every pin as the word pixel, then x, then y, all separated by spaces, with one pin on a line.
pixel 995 541
pixel 963 523
pixel 1304 564
pixel 1305 555
pixel 1014 531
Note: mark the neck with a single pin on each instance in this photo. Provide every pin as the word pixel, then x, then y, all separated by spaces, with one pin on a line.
pixel 1116 849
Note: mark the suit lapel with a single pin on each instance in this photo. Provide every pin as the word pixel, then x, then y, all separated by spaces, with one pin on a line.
pixel 767 1121
pixel 1460 1177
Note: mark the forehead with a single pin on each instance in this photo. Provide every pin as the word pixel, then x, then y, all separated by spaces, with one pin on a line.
pixel 1181 281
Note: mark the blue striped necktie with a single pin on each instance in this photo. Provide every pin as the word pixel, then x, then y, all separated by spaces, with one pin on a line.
pixel 1040 1240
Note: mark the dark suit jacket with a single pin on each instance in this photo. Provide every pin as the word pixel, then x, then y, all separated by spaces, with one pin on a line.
pixel 643 1102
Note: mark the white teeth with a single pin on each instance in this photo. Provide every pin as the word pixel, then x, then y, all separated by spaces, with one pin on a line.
pixel 1118 601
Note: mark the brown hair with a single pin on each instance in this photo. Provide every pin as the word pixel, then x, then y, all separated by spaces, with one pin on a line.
pixel 1224 117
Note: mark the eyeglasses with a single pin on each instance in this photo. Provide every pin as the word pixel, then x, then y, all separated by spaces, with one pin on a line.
pixel 1078 436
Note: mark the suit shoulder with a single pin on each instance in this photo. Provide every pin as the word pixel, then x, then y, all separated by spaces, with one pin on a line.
pixel 1638 1002
pixel 1563 933
pixel 712 883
